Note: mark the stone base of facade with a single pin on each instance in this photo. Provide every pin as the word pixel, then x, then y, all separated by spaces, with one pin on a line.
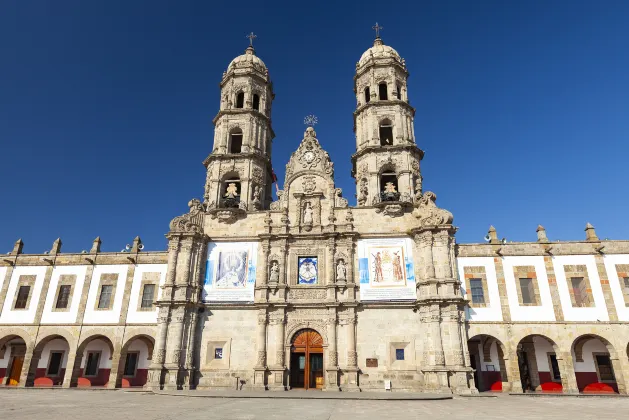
pixel 349 381
pixel 277 379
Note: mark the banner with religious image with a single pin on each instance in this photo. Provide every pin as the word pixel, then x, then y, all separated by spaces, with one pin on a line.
pixel 385 269
pixel 230 274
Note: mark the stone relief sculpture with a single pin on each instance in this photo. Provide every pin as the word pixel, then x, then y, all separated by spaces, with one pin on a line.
pixel 257 201
pixel 364 192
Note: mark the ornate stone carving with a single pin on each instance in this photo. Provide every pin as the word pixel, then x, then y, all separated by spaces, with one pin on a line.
pixel 391 210
pixel 256 199
pixel 261 362
pixel 341 270
pixel 429 214
pixel 302 294
pixel 256 175
pixel 279 357
pixel 339 201
pixel 333 358
pixel 352 357
pixel 308 183
pixel 363 192
pixel 160 357
pixel 192 222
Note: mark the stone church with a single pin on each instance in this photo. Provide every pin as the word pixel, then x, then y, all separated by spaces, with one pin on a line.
pixel 306 292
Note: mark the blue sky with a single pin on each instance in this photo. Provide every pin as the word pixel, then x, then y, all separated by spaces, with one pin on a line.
pixel 106 108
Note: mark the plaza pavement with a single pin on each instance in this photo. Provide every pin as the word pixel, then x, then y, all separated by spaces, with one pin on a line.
pixel 19 404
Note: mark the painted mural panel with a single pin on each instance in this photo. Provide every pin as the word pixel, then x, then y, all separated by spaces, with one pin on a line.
pixel 230 273
pixel 308 270
pixel 386 269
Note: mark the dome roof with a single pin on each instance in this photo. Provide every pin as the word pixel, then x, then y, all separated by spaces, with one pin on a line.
pixel 379 51
pixel 248 59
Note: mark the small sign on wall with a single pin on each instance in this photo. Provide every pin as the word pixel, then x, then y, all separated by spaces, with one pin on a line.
pixel 372 363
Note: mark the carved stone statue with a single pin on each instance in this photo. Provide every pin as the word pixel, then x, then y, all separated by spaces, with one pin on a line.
pixel 274 276
pixel 341 270
pixel 429 214
pixel 364 193
pixel 389 188
pixel 308 212
pixel 257 192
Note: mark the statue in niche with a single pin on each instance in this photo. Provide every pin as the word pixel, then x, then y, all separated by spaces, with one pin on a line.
pixel 364 192
pixel 231 191
pixel 308 213
pixel 257 191
pixel 389 188
pixel 341 270
pixel 274 276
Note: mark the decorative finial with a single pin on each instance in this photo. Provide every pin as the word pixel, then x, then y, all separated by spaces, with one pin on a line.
pixel 590 233
pixel 251 37
pixel 377 28
pixel 541 234
pixel 311 120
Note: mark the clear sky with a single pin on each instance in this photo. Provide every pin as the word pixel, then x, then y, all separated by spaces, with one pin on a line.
pixel 106 108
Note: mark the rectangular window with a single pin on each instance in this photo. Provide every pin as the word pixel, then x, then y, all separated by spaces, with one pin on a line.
pixel 105 296
pixel 579 289
pixel 218 353
pixel 605 370
pixel 63 297
pixel 147 296
pixel 54 365
pixel 554 368
pixel 22 297
pixel 130 364
pixel 478 296
pixel 91 366
pixel 528 293
pixel 399 354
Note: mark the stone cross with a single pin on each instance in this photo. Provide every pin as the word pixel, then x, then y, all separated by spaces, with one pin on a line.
pixel 251 37
pixel 311 120
pixel 377 29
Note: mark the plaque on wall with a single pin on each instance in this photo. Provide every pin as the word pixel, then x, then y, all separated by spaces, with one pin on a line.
pixel 372 362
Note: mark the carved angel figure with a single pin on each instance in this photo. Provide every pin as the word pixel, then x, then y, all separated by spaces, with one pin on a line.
pixel 389 187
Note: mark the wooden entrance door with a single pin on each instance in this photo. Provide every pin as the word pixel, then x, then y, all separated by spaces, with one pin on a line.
pixel 307 360
pixel 16 370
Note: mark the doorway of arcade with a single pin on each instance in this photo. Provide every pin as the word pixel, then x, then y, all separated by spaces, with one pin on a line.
pixel 306 360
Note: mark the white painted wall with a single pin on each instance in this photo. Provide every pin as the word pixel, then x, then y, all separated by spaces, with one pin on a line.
pixel 54 345
pixel 144 317
pixel 616 285
pixel 594 345
pixel 66 317
pixel 23 316
pixel 492 312
pixel 570 313
pixel 542 348
pixel 495 359
pixel 105 356
pixel 542 312
pixel 93 316
pixel 140 346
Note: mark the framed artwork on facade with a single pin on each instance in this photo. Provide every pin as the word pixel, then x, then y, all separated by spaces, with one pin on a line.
pixel 232 269
pixel 387 266
pixel 307 270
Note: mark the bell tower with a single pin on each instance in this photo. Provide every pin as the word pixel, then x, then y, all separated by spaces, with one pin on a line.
pixel 386 162
pixel 239 173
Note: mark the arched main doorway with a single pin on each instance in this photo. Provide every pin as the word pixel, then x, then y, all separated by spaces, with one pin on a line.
pixel 306 360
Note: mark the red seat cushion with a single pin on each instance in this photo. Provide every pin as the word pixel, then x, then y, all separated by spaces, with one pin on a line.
pixel 84 382
pixel 598 387
pixel 126 383
pixel 496 386
pixel 43 382
pixel 551 387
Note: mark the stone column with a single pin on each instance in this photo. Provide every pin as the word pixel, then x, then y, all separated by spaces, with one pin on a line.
pixel 266 250
pixel 425 240
pixel 441 255
pixel 116 358
pixel 435 335
pixel 27 376
pixel 351 372
pixel 73 367
pixel 566 369
pixel 513 369
pixel 331 275
pixel 331 383
pixel 278 369
pixel 260 369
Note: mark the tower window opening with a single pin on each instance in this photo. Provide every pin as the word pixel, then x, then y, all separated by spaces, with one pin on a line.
pixel 230 193
pixel 389 187
pixel 240 100
pixel 382 91
pixel 256 102
pixel 235 142
pixel 398 88
pixel 386 133
pixel 367 95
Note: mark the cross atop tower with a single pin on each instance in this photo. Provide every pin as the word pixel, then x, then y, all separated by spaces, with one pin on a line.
pixel 311 120
pixel 251 37
pixel 377 28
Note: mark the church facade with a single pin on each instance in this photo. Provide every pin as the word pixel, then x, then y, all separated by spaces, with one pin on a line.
pixel 306 292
